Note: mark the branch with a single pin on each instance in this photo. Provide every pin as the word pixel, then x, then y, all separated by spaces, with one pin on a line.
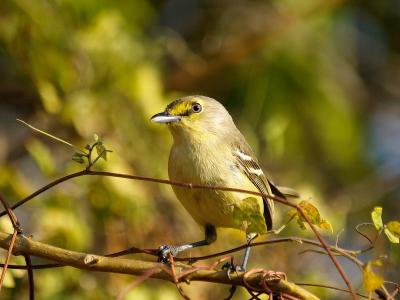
pixel 27 246
pixel 281 200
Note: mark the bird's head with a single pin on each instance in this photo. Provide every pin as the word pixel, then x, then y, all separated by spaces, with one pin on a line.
pixel 195 114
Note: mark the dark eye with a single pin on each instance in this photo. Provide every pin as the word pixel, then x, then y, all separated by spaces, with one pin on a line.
pixel 196 107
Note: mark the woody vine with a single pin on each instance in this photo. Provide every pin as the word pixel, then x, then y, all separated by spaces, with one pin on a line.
pixel 181 270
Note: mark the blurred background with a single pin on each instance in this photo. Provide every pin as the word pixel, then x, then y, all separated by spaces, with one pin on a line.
pixel 313 85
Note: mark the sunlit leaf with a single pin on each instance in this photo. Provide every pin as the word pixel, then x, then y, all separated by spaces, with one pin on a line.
pixel 394 227
pixel 371 280
pixel 376 216
pixel 101 150
pixel 313 214
pixel 376 262
pixel 326 225
pixel 248 216
pixel 292 213
pixel 393 238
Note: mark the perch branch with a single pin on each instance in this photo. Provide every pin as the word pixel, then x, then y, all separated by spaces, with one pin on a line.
pixel 197 186
pixel 27 246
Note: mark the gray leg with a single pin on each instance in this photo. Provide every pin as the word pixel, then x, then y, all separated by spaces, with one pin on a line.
pixel 249 238
pixel 210 237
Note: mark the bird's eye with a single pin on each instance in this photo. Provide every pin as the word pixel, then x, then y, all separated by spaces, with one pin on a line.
pixel 196 107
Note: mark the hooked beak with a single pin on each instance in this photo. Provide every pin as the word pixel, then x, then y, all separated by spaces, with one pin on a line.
pixel 164 117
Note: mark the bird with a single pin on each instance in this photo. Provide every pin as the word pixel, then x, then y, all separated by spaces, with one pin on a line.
pixel 208 149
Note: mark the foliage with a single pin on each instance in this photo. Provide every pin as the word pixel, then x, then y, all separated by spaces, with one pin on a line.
pixel 248 216
pixel 391 229
pixel 312 213
pixel 372 281
pixel 312 85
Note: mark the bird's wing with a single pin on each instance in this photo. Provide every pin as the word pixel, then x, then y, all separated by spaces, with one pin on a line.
pixel 248 164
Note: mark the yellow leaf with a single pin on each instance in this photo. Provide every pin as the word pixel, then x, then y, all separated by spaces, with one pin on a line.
pixel 372 281
pixel 326 225
pixel 292 213
pixel 394 227
pixel 377 262
pixel 393 238
pixel 376 216
pixel 392 231
pixel 312 213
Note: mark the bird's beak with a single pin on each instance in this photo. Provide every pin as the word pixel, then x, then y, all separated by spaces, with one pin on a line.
pixel 165 117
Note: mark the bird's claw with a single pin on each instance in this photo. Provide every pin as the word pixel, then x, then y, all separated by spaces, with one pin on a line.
pixel 230 268
pixel 163 252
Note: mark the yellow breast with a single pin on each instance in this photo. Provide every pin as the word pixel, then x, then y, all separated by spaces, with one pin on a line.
pixel 209 163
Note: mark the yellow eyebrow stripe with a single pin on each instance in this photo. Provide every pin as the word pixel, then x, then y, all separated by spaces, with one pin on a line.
pixel 179 108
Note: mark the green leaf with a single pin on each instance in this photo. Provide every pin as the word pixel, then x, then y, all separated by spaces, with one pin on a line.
pixel 96 138
pixel 292 213
pixel 313 214
pixel 392 237
pixel 78 157
pixel 101 150
pixel 372 281
pixel 376 216
pixel 249 217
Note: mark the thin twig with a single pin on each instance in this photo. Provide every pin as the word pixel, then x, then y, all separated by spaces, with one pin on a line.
pixel 50 135
pixel 146 275
pixel 340 251
pixel 34 267
pixel 329 251
pixel 8 257
pixel 17 229
pixel 45 188
pixel 325 286
pixel 199 186
pixel 30 277
pixel 98 263
pixel 175 277
pixel 13 218
pixel 371 242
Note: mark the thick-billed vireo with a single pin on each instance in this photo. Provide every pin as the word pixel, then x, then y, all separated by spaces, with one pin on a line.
pixel 208 149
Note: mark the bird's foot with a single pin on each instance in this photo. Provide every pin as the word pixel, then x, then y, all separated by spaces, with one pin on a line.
pixel 231 268
pixel 163 252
